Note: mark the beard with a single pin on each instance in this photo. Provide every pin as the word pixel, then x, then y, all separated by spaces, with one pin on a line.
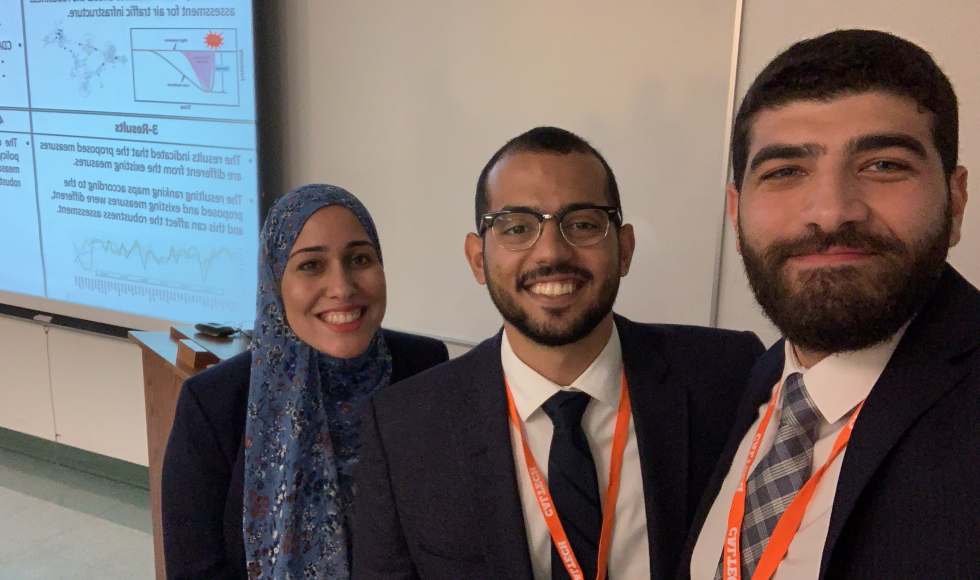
pixel 559 328
pixel 846 308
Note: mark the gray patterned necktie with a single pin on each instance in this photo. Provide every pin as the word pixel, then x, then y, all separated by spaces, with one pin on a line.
pixel 780 475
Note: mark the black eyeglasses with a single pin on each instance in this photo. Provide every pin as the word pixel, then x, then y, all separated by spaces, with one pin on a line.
pixel 519 229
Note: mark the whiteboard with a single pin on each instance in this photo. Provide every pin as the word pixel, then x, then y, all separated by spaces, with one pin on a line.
pixel 403 104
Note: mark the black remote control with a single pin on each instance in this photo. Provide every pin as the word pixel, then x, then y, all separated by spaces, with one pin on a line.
pixel 214 329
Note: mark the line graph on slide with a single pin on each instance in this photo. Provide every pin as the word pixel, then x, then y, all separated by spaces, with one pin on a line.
pixel 190 268
pixel 185 65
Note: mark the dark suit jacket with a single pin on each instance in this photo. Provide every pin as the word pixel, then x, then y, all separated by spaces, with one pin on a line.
pixel 438 494
pixel 906 503
pixel 203 470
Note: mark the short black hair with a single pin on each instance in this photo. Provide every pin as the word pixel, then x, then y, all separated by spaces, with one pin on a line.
pixel 847 62
pixel 543 140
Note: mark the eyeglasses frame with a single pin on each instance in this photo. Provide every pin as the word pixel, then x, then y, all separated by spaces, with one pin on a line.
pixel 486 222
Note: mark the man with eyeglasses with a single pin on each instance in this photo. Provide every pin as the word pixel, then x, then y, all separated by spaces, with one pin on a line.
pixel 574 443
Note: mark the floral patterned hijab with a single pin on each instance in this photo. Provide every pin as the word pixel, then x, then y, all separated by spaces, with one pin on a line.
pixel 301 430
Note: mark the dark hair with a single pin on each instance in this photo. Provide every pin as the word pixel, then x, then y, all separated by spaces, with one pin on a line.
pixel 847 62
pixel 543 140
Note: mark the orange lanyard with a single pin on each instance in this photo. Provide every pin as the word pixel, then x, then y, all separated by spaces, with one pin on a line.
pixel 789 522
pixel 543 496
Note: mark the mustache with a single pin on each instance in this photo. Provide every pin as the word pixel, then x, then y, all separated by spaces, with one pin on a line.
pixel 551 270
pixel 848 236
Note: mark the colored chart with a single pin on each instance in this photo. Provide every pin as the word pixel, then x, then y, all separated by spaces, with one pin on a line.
pixel 185 65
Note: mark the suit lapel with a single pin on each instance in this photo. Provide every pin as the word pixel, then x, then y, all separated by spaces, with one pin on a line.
pixel 765 373
pixel 660 421
pixel 487 466
pixel 918 374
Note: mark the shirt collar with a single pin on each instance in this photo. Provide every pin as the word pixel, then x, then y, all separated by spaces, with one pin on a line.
pixel 530 390
pixel 842 380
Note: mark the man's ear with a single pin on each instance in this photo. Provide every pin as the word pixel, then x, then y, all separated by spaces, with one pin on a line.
pixel 627 243
pixel 957 202
pixel 473 248
pixel 731 207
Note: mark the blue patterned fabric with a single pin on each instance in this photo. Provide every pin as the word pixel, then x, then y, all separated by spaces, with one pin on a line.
pixel 301 430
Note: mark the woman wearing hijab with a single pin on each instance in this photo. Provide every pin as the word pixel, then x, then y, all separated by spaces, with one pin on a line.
pixel 257 477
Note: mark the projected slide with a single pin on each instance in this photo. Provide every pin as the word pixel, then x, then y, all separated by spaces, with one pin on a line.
pixel 128 175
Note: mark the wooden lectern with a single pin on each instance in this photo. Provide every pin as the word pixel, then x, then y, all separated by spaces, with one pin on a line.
pixel 168 360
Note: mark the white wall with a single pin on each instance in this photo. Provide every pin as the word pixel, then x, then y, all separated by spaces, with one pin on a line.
pixel 403 104
pixel 25 389
pixel 97 391
pixel 946 28
pixel 73 387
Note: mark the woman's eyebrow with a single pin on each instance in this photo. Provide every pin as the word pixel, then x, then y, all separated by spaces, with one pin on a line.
pixel 307 249
pixel 315 249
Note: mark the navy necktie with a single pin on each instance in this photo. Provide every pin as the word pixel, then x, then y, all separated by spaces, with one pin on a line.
pixel 573 484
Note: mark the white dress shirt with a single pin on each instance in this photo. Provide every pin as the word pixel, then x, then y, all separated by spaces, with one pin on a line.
pixel 629 554
pixel 836 384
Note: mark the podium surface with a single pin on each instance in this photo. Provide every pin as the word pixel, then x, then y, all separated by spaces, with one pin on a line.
pixel 168 360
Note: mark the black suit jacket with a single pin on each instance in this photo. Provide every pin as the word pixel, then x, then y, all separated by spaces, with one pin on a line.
pixel 204 465
pixel 438 496
pixel 906 503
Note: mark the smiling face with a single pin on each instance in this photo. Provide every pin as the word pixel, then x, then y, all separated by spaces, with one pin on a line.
pixel 333 288
pixel 845 217
pixel 552 293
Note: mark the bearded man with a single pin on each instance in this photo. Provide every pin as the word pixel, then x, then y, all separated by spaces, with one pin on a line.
pixel 856 452
pixel 574 440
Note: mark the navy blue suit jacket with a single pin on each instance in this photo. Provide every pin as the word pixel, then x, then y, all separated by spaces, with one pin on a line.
pixel 204 465
pixel 438 496
pixel 906 503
